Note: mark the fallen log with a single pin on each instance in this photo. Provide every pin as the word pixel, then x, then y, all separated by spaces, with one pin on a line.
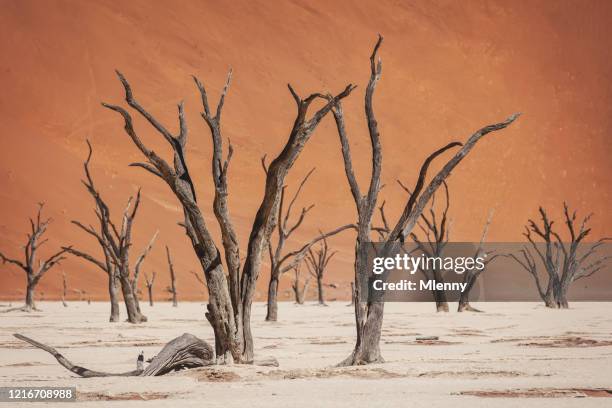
pixel 186 351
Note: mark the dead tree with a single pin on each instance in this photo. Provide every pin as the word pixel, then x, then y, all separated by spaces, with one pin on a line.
pixel 34 267
pixel 172 288
pixel 280 262
pixel 299 289
pixel 136 274
pixel 352 294
pixel 368 312
pixel 437 232
pixel 230 298
pixel 149 283
pixel 471 275
pixel 284 231
pixel 316 262
pixel 564 262
pixel 115 244
pixel 64 289
pixel 186 351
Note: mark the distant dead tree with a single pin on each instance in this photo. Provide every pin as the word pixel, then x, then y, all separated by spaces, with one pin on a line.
pixel 471 275
pixel 437 232
pixel 34 267
pixel 115 244
pixel 230 297
pixel 299 289
pixel 564 262
pixel 136 274
pixel 316 262
pixel 172 288
pixel 369 312
pixel 281 262
pixel 149 283
pixel 64 289
pixel 352 294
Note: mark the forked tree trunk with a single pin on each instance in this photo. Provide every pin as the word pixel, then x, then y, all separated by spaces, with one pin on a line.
pixel 131 305
pixel 369 312
pixel 150 290
pixel 230 298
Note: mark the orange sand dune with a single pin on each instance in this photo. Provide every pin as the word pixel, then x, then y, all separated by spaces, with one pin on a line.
pixel 449 68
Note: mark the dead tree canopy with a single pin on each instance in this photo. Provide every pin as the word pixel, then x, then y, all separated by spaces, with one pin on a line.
pixel 564 261
pixel 316 262
pixel 369 314
pixel 436 229
pixel 34 267
pixel 230 298
pixel 115 243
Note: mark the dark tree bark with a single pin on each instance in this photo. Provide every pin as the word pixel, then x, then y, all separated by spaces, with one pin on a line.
pixel 34 267
pixel 284 231
pixel 316 262
pixel 299 289
pixel 64 289
pixel 115 244
pixel 562 261
pixel 149 283
pixel 436 229
pixel 136 274
pixel 368 313
pixel 172 288
pixel 471 276
pixel 230 299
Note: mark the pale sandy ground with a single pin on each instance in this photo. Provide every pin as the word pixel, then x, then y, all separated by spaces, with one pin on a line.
pixel 308 341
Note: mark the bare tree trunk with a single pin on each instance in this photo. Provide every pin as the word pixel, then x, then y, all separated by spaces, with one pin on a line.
pixel 64 289
pixel 172 288
pixel 464 299
pixel 440 295
pixel 149 283
pixel 470 277
pixel 131 305
pixel 272 314
pixel 320 290
pixel 114 301
pixel 299 290
pixel 29 300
